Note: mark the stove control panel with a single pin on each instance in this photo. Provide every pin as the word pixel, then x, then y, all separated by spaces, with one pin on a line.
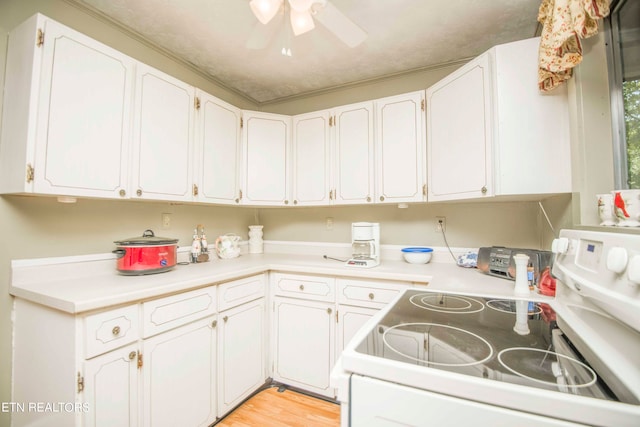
pixel 604 268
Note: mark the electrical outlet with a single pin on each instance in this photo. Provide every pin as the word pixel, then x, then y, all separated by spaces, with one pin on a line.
pixel 166 220
pixel 329 223
pixel 441 224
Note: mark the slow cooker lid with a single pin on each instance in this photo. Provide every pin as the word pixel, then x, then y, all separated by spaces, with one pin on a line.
pixel 147 238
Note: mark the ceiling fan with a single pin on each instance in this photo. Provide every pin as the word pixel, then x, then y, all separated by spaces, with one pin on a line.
pixel 302 14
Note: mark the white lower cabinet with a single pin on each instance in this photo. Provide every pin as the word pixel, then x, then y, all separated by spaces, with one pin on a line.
pixel 304 344
pixel 241 340
pixel 179 376
pixel 314 318
pixel 241 354
pixel 111 388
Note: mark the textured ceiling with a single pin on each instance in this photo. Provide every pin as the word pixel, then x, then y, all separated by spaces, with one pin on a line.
pixel 403 35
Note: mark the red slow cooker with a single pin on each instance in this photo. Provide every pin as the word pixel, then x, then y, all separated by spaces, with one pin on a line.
pixel 147 254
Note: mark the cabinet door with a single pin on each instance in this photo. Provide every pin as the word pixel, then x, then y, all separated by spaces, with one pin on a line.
pixel 241 354
pixel 83 120
pixel 163 134
pixel 459 133
pixel 304 344
pixel 400 149
pixel 350 320
pixel 266 158
pixel 111 389
pixel 179 376
pixel 311 159
pixel 353 159
pixel 217 157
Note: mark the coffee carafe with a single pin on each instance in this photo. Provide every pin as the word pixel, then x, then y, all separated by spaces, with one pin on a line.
pixel 365 244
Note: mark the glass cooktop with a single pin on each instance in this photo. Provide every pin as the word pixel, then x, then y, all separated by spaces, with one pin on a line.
pixel 498 339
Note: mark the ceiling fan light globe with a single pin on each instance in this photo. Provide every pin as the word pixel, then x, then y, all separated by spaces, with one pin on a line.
pixel 301 22
pixel 265 10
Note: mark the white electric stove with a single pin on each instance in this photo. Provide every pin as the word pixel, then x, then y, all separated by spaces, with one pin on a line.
pixel 433 358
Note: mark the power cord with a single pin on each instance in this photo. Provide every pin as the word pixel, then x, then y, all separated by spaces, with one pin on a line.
pixel 447 243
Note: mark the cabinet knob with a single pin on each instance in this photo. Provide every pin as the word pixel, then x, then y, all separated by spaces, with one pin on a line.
pixel 139 192
pixel 237 200
pixel 302 287
pixel 371 295
pixel 132 355
pixel 214 323
pixel 295 202
pixel 368 199
pixel 382 198
pixel 225 318
pixel 122 193
pixel 329 311
pixel 484 189
pixel 116 330
pixel 286 202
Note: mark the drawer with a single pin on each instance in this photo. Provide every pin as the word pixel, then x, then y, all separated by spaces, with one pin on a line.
pixel 170 312
pixel 317 288
pixel 368 293
pixel 111 329
pixel 232 294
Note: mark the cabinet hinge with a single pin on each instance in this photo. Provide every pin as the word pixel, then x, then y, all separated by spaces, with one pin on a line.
pixel 80 382
pixel 140 360
pixel 196 103
pixel 424 189
pixel 241 122
pixel 30 172
pixel 40 37
pixel 195 189
pixel 422 105
pixel 330 121
pixel 337 317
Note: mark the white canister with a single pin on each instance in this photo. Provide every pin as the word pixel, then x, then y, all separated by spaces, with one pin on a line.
pixel 255 239
pixel 605 209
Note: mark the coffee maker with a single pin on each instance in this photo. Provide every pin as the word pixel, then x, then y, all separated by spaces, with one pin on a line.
pixel 365 245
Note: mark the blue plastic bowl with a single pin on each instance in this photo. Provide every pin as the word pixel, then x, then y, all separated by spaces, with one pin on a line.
pixel 417 255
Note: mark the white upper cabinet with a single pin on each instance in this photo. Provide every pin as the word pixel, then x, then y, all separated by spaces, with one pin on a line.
pixel 353 174
pixel 217 153
pixel 311 159
pixel 163 137
pixel 267 159
pixel 66 112
pixel 400 148
pixel 490 132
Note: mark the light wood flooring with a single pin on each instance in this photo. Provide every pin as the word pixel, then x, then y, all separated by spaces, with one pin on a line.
pixel 271 408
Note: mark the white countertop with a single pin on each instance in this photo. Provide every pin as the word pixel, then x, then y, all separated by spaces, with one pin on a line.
pixel 80 284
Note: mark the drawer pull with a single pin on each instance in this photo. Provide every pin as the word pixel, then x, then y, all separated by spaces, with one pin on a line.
pixel 225 318
pixel 302 287
pixel 116 330
pixel 132 355
pixel 371 296
pixel 214 323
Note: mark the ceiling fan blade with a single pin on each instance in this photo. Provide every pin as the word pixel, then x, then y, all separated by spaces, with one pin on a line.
pixel 344 28
pixel 261 35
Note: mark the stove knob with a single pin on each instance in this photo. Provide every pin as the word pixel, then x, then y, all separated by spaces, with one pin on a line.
pixel 560 245
pixel 617 259
pixel 634 270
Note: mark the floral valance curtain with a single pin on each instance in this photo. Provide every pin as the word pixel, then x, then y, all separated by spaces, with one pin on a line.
pixel 564 23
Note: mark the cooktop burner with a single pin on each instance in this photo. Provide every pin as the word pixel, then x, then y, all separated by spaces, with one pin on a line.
pixel 447 303
pixel 458 333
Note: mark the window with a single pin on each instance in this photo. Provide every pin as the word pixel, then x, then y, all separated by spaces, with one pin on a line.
pixel 623 28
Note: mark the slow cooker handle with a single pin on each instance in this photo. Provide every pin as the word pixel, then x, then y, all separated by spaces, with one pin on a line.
pixel 148 233
pixel 119 253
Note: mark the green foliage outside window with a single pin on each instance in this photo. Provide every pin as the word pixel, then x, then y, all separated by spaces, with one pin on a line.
pixel 631 95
